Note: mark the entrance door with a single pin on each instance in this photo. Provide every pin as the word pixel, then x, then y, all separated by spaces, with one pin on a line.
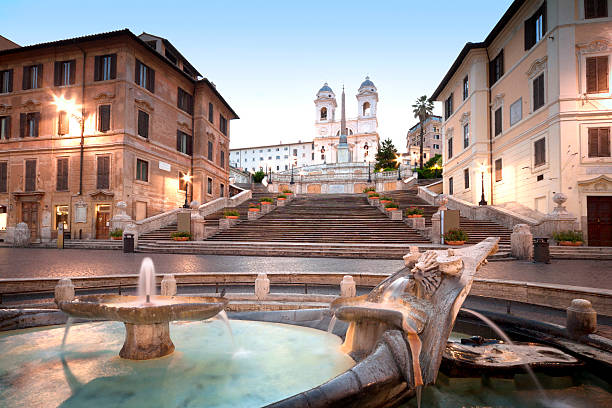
pixel 599 218
pixel 103 222
pixel 29 215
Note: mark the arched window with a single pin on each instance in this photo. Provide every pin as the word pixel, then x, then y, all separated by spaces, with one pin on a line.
pixel 366 109
pixel 323 113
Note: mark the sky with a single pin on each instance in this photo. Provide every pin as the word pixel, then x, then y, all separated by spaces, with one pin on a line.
pixel 269 59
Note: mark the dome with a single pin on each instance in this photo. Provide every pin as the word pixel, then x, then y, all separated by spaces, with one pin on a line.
pixel 367 86
pixel 367 82
pixel 325 88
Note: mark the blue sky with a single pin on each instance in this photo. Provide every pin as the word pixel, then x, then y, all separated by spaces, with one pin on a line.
pixel 269 59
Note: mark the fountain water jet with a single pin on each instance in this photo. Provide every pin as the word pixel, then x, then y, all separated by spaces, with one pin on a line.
pixel 146 280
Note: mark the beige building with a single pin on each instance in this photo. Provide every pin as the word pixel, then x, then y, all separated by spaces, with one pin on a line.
pixel 530 109
pixel 432 136
pixel 91 121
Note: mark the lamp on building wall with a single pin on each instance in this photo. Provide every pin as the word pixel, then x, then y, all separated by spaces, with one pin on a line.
pixel 71 108
pixel 187 180
pixel 483 168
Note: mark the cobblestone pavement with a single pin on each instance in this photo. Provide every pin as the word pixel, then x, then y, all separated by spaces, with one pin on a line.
pixel 31 263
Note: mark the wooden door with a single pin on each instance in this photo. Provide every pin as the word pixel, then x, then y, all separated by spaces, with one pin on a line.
pixel 599 219
pixel 102 225
pixel 29 215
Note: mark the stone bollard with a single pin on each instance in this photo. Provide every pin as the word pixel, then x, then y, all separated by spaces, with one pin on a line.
pixel 21 235
pixel 266 208
pixel 521 242
pixel 168 285
pixel 581 318
pixel 64 291
pixel 262 286
pixel 396 215
pixel 348 287
pixel 281 203
pixel 252 215
pixel 224 223
pixel 416 223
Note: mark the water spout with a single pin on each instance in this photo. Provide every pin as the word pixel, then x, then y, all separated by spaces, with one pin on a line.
pixel 146 281
pixel 394 290
pixel 222 315
pixel 332 324
pixel 66 330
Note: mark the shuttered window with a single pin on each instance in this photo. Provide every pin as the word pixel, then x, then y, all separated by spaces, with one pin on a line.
pixel 211 112
pixel 103 173
pixel 538 92
pixel 223 158
pixel 62 174
pixel 64 73
pixel 105 67
pixel 184 143
pixel 450 186
pixel 498 170
pixel 466 135
pixel 466 178
pixel 143 124
pixel 450 148
pixel 32 76
pixel 448 107
pixel 185 101
pixel 28 124
pixel 466 87
pixel 142 170
pixel 539 148
pixel 5 127
pixel 3 177
pixel 210 150
pixel 6 81
pixel 595 8
pixel 535 27
pixel 597 76
pixel 145 76
pixel 498 121
pixel 496 68
pixel 209 189
pixel 63 123
pixel 104 118
pixel 599 142
pixel 30 175
pixel 223 125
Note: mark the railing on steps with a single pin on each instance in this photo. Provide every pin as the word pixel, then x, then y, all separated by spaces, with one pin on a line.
pixel 157 221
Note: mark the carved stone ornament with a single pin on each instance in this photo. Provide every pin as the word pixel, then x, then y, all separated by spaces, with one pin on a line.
pixel 598 184
pixel 498 100
pixel 5 108
pixel 536 67
pixel 183 125
pixel 597 45
pixel 465 118
pixel 146 105
pixel 31 105
pixel 429 271
pixel 103 96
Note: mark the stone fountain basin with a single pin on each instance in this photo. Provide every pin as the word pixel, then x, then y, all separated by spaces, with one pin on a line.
pixel 132 309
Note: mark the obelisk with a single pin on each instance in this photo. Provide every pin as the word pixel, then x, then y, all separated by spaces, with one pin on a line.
pixel 343 154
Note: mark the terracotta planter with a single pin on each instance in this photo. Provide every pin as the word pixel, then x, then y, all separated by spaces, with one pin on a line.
pixel 392 209
pixel 414 216
pixel 288 194
pixel 180 238
pixel 254 209
pixel 455 243
pixel 117 238
pixel 265 203
pixel 232 217
pixel 374 198
pixel 385 201
pixel 570 243
pixel 281 199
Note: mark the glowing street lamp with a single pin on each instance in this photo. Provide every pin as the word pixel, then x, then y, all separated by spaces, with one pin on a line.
pixel 483 168
pixel 72 109
pixel 398 160
pixel 187 179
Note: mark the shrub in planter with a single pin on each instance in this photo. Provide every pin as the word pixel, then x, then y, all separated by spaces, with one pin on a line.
pixel 287 191
pixel 374 196
pixel 568 238
pixel 281 197
pixel 456 237
pixel 254 207
pixel 391 206
pixel 266 200
pixel 181 236
pixel 414 212
pixel 116 234
pixel 369 189
pixel 385 199
pixel 258 176
pixel 232 214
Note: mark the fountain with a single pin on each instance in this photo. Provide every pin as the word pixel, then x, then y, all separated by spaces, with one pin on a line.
pixel 146 317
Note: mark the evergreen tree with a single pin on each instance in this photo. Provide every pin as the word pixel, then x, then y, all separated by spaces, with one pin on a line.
pixel 386 155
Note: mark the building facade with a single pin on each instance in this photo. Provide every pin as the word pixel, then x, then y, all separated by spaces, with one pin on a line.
pixel 90 121
pixel 529 110
pixel 274 157
pixel 432 135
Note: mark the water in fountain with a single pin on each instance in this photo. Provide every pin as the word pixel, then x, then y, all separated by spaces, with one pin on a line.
pixel 332 323
pixel 146 281
pixel 223 317
pixel 66 330
pixel 394 290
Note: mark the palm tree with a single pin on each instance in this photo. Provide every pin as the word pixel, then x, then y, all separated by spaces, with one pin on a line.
pixel 422 109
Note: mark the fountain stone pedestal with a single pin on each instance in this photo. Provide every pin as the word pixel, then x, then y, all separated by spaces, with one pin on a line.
pixel 146 341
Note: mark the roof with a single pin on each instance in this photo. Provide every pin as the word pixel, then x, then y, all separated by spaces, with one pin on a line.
pixel 436 117
pixel 367 82
pixel 512 10
pixel 172 48
pixel 274 145
pixel 325 88
pixel 5 43
pixel 116 34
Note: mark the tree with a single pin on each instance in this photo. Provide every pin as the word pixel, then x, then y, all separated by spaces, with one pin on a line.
pixel 422 109
pixel 386 155
pixel 433 168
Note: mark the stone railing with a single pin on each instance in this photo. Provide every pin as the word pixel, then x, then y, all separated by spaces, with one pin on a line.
pixel 240 198
pixel 157 221
pixel 224 202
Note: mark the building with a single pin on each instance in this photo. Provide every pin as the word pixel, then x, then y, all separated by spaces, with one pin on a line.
pixel 90 121
pixel 432 138
pixel 529 109
pixel 411 158
pixel 362 136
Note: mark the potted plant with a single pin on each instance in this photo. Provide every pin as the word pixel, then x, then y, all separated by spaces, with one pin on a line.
pixel 287 192
pixel 266 201
pixel 374 196
pixel 391 207
pixel 455 237
pixel 180 236
pixel 254 207
pixel 116 234
pixel 281 197
pixel 385 200
pixel 414 212
pixel 568 238
pixel 231 214
pixel 369 190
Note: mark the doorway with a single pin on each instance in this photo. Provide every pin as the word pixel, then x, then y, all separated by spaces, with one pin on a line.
pixel 599 219
pixel 29 215
pixel 103 217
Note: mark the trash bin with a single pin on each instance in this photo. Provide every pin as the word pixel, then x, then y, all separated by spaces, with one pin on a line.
pixel 541 250
pixel 128 242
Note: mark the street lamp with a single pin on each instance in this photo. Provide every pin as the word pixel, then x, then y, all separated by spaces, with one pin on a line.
pixel 186 179
pixel 483 168
pixel 72 109
pixel 398 160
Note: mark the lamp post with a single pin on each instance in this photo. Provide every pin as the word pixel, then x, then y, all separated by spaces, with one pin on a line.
pixel 70 108
pixel 292 164
pixel 187 179
pixel 398 160
pixel 482 197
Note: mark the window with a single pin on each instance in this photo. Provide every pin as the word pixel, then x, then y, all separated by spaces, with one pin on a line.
pixel 466 178
pixel 538 92
pixel 539 148
pixel 450 186
pixel 595 8
pixel 62 174
pixel 185 101
pixel 209 188
pixel 366 109
pixel 30 175
pixel 29 124
pixel 437 137
pixel 323 113
pixel 498 170
pixel 466 135
pixel 61 216
pixel 540 177
pixel 599 142
pixel 211 112
pixel 448 107
pixel 223 125
pixel 32 76
pixel 145 76
pixel 64 73
pixel 171 57
pixel 295 152
pixel 142 170
pixel 104 118
pixel 103 173
pixel 222 190
pixel 3 177
pixel 210 150
pixel 3 218
pixel 498 121
pixel 223 159
pixel 516 111
pixel 105 67
pixel 450 147
pixel 181 181
pixel 436 146
pixel 597 78
pixel 6 81
pixel 535 27
pixel 496 68
pixel 184 143
pixel 63 123
pixel 5 127
pixel 466 88
pixel 143 124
